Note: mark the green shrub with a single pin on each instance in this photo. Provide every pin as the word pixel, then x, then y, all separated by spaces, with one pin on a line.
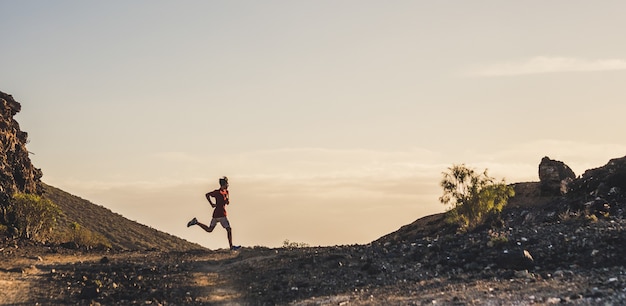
pixel 473 197
pixel 34 217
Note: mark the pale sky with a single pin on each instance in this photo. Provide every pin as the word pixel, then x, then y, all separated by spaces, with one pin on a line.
pixel 333 119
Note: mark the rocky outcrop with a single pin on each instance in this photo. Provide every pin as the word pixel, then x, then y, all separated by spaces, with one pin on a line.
pixel 608 180
pixel 17 174
pixel 555 177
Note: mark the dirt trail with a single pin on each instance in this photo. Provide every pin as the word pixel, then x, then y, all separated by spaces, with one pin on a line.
pixel 23 275
pixel 27 277
pixel 14 290
pixel 30 276
pixel 214 273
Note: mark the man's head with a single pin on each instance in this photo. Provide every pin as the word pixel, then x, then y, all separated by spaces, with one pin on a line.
pixel 224 182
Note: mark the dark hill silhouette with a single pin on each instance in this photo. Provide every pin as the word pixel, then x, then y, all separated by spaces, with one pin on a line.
pixel 121 232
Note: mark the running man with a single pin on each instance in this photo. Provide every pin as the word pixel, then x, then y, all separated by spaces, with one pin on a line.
pixel 219 212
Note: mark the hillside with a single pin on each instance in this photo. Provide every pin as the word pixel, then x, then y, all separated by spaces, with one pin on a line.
pixel 527 196
pixel 121 232
pixel 18 175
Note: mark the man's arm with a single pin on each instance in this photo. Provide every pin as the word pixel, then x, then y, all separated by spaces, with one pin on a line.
pixel 208 197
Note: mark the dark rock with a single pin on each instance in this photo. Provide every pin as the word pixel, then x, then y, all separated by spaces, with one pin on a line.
pixel 89 292
pixel 516 260
pixel 554 176
pixel 17 270
pixel 70 245
pixel 608 180
pixel 17 174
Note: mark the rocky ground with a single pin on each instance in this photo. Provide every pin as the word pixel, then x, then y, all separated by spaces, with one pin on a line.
pixel 565 258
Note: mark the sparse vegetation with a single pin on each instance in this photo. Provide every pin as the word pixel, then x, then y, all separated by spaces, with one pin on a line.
pixel 293 245
pixel 81 236
pixel 31 216
pixel 565 216
pixel 592 218
pixel 569 216
pixel 497 238
pixel 99 226
pixel 473 196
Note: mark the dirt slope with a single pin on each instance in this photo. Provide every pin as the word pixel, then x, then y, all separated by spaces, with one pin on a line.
pixel 121 232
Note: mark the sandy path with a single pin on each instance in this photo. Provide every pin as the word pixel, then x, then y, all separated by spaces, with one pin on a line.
pixel 19 276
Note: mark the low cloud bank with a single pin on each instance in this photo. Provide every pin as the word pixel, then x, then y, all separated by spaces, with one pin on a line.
pixel 546 64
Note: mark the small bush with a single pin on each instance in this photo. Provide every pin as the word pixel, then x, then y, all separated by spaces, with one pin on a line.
pixel 572 216
pixel 34 217
pixel 497 239
pixel 473 197
pixel 568 215
pixel 293 245
pixel 591 218
pixel 82 237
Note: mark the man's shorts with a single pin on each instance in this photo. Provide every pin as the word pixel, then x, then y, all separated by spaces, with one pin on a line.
pixel 222 220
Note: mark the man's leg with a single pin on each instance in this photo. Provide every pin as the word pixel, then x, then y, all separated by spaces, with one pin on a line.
pixel 206 228
pixel 209 228
pixel 229 233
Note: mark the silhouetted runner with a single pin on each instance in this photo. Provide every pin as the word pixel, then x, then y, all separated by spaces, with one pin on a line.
pixel 219 212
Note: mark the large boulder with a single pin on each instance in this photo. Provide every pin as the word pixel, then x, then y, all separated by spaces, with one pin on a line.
pixel 554 177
